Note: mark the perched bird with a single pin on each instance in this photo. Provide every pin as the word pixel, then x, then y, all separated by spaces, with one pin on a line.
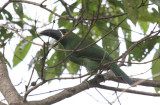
pixel 92 57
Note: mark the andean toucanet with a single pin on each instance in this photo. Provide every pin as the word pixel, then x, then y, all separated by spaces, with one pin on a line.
pixel 92 57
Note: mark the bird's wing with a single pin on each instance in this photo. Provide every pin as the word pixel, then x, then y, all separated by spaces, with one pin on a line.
pixel 93 52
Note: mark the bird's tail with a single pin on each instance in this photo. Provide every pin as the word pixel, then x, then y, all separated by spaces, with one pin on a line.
pixel 120 74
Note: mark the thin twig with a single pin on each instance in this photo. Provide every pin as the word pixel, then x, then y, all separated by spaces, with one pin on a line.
pixel 103 36
pixel 33 88
pixel 136 83
pixel 123 56
pixel 67 8
pixel 128 90
pixel 1 9
pixel 64 17
pixel 64 78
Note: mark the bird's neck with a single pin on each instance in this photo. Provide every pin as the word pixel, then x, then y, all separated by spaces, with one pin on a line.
pixel 63 41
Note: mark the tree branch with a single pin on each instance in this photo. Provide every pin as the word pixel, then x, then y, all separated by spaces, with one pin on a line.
pixel 95 82
pixel 128 90
pixel 64 17
pixel 145 82
pixel 1 9
pixel 67 8
pixel 6 87
pixel 1 103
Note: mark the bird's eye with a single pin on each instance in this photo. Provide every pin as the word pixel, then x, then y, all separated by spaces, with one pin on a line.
pixel 65 33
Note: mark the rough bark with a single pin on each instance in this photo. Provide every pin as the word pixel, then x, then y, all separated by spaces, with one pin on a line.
pixel 6 87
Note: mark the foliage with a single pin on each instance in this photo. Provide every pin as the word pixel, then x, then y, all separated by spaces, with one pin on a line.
pixel 54 59
pixel 155 68
pixel 100 16
pixel 21 51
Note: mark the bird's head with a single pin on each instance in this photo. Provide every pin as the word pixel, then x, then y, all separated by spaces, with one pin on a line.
pixel 56 34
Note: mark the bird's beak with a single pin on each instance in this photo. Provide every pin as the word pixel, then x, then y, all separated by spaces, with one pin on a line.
pixel 52 33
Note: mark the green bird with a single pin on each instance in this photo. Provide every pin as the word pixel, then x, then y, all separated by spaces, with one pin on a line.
pixel 92 57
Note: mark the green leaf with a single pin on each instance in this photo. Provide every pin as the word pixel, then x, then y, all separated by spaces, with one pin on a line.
pixel 72 67
pixel 7 14
pixel 28 18
pixel 4 37
pixel 91 5
pixel 57 57
pixel 156 2
pixel 51 15
pixel 110 44
pixel 99 27
pixel 132 10
pixel 155 13
pixel 127 33
pixel 18 8
pixel 146 16
pixel 7 62
pixel 97 31
pixel 50 18
pixel 144 26
pixel 21 51
pixel 38 61
pixel 19 23
pixel 1 17
pixel 53 60
pixel 156 68
pixel 143 49
pixel 33 32
pixel 116 3
pixel 65 23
